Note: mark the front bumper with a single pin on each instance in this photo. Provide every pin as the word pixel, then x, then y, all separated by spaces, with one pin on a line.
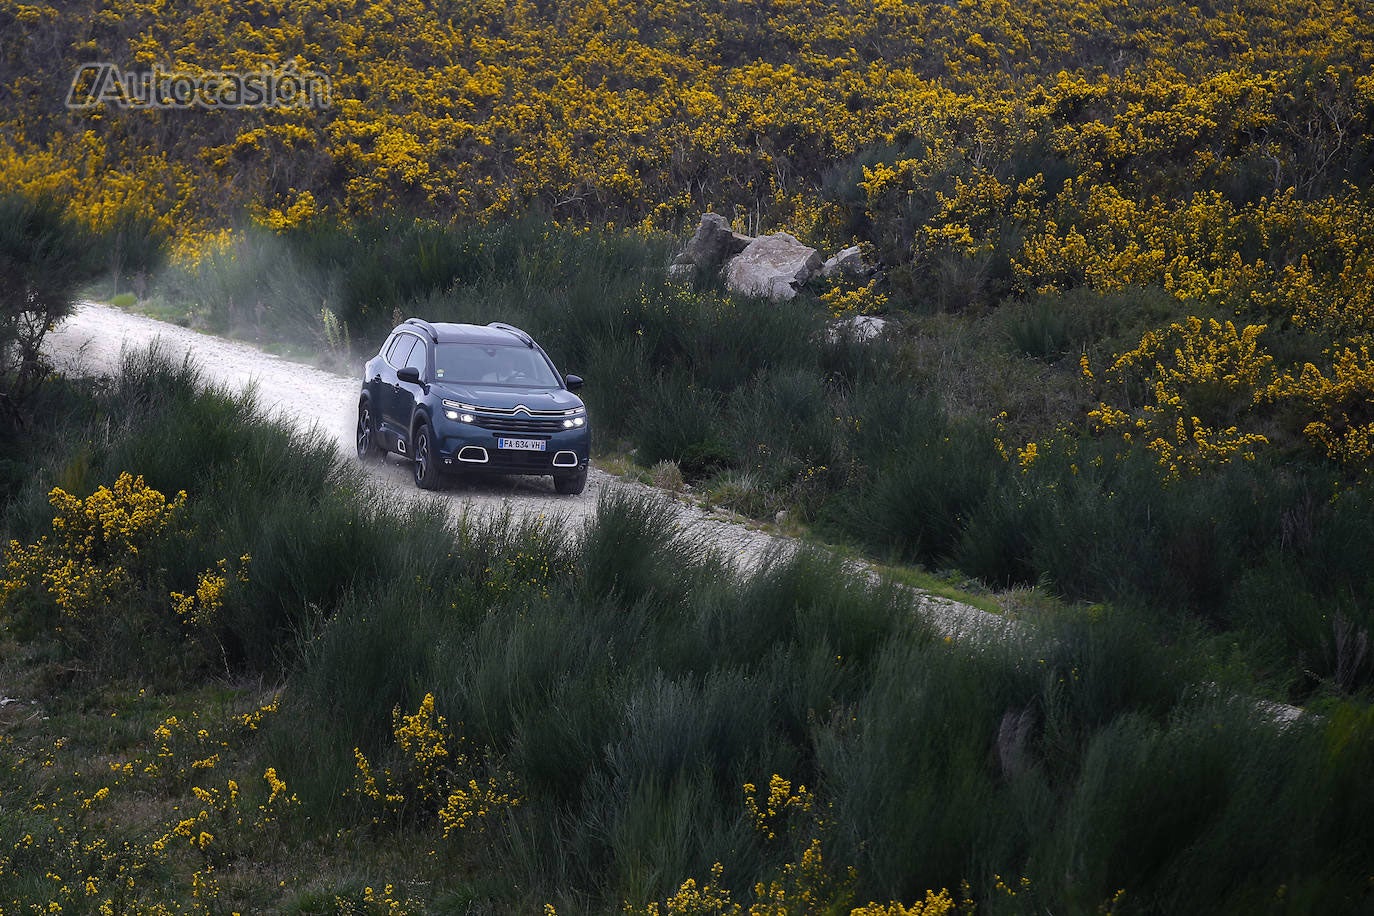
pixel 464 447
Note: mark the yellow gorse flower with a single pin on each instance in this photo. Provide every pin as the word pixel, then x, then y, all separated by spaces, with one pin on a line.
pixel 1341 404
pixel 202 606
pixel 1181 367
pixel 435 774
pixel 101 555
pixel 780 803
pixel 806 885
pixel 93 556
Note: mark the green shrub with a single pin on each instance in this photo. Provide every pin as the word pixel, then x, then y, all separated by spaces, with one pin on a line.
pixel 995 546
pixel 784 428
pixel 915 504
pixel 741 492
pixel 45 257
pixel 134 245
pixel 886 444
pixel 634 552
pixel 1037 329
pixel 260 288
pixel 676 420
pixel 915 794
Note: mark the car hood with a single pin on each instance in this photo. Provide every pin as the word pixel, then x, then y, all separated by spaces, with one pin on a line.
pixel 505 397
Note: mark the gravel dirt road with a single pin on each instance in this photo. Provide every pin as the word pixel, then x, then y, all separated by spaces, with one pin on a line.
pixel 95 335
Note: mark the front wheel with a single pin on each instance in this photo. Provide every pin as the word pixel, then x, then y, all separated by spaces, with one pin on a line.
pixel 426 470
pixel 570 484
pixel 368 449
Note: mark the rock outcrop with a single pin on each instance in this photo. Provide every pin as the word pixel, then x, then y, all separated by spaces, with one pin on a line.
pixel 711 245
pixel 772 266
pixel 849 263
pixel 860 328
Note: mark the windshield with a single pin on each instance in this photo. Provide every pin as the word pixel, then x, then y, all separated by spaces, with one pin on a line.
pixel 483 364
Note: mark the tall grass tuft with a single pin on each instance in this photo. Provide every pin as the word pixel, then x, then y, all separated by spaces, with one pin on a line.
pixel 633 552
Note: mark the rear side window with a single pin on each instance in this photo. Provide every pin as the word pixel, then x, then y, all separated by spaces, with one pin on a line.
pixel 400 350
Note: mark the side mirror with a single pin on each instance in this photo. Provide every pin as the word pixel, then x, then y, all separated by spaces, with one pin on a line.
pixel 573 382
pixel 409 374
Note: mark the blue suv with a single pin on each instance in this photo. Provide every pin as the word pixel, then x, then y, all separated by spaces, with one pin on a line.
pixel 463 397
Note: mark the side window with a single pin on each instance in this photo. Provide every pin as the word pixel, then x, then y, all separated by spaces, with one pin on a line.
pixel 416 359
pixel 400 350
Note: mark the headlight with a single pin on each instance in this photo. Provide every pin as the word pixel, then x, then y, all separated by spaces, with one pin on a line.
pixel 571 422
pixel 457 410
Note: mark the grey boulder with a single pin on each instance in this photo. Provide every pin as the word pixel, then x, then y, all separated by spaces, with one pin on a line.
pixel 859 328
pixel 712 243
pixel 772 266
pixel 849 262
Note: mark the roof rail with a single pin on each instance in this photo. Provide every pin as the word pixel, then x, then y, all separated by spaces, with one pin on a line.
pixel 502 326
pixel 424 326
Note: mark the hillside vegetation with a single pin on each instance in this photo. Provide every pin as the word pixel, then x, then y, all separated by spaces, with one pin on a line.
pixel 242 680
pixel 1129 245
pixel 987 153
pixel 1128 254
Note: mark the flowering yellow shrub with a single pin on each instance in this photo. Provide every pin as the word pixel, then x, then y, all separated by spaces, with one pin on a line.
pixel 299 212
pixel 203 605
pixel 469 806
pixel 435 774
pixel 802 887
pixel 423 738
pixel 96 554
pixel 190 249
pixel 535 570
pixel 934 904
pixel 77 836
pixel 968 218
pixel 656 111
pixel 1179 372
pixel 708 900
pixel 185 747
pixel 1183 389
pixel 805 886
pixel 1314 267
pixel 225 826
pixel 780 809
pixel 384 902
pixel 1342 403
pixel 100 563
pixel 855 300
pixel 1218 152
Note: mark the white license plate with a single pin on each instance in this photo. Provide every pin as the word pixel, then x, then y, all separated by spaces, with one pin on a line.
pixel 522 445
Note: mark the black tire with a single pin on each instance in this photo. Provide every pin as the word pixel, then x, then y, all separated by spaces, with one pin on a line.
pixel 570 484
pixel 425 462
pixel 368 447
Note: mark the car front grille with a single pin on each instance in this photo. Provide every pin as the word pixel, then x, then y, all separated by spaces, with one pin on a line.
pixel 519 424
pixel 509 459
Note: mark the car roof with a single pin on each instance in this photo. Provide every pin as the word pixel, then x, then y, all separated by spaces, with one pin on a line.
pixel 448 332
